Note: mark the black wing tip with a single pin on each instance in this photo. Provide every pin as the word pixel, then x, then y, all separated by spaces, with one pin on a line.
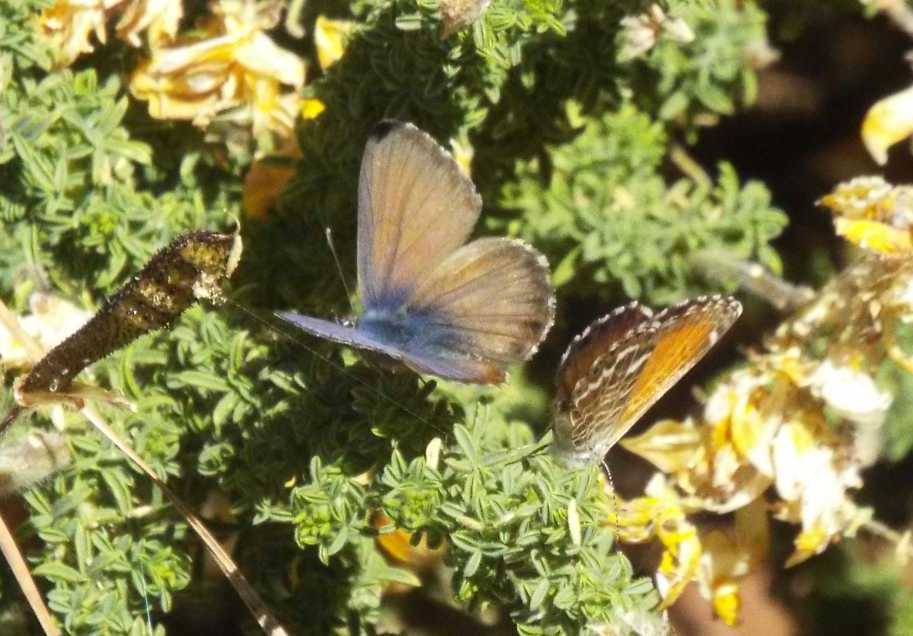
pixel 384 128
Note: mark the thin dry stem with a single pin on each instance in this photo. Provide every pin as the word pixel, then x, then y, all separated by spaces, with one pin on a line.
pixel 21 571
pixel 254 603
pixel 11 322
pixel 900 540
pixel 899 13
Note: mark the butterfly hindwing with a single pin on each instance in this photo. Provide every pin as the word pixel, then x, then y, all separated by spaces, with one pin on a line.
pixel 491 299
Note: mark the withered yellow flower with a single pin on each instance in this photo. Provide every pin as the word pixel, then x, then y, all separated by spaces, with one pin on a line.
pixel 888 121
pixel 873 214
pixel 69 24
pixel 640 33
pixel 235 65
pixel 398 547
pixel 159 19
pixel 330 37
pixel 458 14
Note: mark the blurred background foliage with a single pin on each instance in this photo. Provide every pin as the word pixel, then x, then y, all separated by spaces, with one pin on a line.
pixel 620 170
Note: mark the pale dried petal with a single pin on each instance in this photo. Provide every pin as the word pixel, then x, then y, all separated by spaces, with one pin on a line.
pixel 888 121
pixel 158 18
pixel 330 37
pixel 669 445
pixel 852 393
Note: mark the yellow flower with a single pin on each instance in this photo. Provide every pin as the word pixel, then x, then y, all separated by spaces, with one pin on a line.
pixel 888 121
pixel 330 38
pixel 861 198
pixel 661 514
pixel 69 24
pixel 236 66
pixel 873 214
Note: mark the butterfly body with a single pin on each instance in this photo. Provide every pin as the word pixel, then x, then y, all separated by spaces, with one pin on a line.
pixel 620 365
pixel 457 310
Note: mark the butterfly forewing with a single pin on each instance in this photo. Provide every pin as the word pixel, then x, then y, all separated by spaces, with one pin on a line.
pixel 595 342
pixel 415 207
pixel 685 333
pixel 624 363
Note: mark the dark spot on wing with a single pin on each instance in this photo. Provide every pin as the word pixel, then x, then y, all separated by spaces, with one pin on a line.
pixel 384 128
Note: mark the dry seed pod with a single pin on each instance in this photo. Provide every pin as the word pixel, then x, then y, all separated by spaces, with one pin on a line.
pixel 191 268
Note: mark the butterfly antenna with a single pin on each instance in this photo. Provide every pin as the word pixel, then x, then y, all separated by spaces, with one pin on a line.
pixel 142 580
pixel 329 234
pixel 608 474
pixel 291 338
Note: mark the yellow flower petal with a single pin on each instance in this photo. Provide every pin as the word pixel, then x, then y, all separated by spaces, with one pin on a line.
pixel 888 121
pixel 311 108
pixel 669 445
pixel 810 542
pixel 330 38
pixel 727 603
pixel 874 236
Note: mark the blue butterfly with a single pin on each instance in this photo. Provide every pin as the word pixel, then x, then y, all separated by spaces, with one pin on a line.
pixel 460 311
